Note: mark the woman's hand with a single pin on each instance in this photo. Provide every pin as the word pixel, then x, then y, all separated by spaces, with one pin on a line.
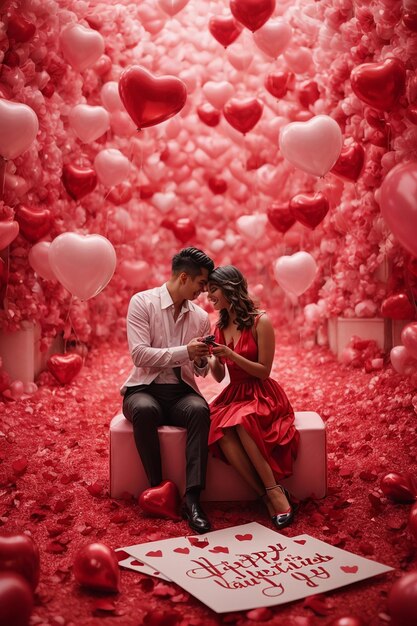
pixel 222 351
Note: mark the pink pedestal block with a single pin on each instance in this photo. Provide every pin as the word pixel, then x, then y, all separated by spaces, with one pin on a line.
pixel 223 482
pixel 342 329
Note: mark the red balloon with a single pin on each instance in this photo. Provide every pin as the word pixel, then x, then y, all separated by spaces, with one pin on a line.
pixel 410 20
pixel 96 567
pixel 243 115
pixel 309 208
pixel 252 13
pixel 217 185
pixel 183 228
pixel 64 367
pixel 208 114
pixel 398 487
pixel 16 600
pixel 34 222
pixel 278 83
pixel 148 99
pixel 402 600
pixel 120 194
pixel 349 620
pixel 412 521
pixel 146 192
pixel 78 181
pixel 398 307
pixel 375 119
pixel 308 93
pixel 350 162
pixel 162 500
pixel 280 216
pixel 20 554
pixel 379 84
pixel 225 29
pixel 20 29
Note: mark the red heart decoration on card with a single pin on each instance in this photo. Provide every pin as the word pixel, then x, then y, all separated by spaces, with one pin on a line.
pixel 302 542
pixel 148 99
pixel 244 114
pixel 154 553
pixel 252 13
pixel 278 83
pixel 246 537
pixel 162 500
pixel 379 84
pixel 398 487
pixel 20 554
pixel 225 29
pixel 16 599
pixel 9 229
pixel 280 216
pixel 349 569
pixel 397 307
pixel 96 567
pixel 78 181
pixel 136 562
pixel 208 114
pixel 198 543
pixel 20 29
pixel 350 162
pixel 64 367
pixel 309 208
pixel 121 555
pixel 182 550
pixel 34 222
pixel 219 549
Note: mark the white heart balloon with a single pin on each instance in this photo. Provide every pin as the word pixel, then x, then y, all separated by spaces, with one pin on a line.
pixel 165 202
pixel 295 273
pixel 112 166
pixel 81 46
pixel 89 122
pixel 252 226
pixel 273 37
pixel 18 128
pixel 313 146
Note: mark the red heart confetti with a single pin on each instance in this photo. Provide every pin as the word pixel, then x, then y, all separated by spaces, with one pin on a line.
pixel 154 553
pixel 198 543
pixel 220 549
pixel 349 569
pixel 246 537
pixel 182 550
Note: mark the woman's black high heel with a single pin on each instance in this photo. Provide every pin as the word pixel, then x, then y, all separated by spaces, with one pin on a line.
pixel 281 520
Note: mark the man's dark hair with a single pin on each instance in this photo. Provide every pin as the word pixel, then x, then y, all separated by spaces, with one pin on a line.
pixel 191 261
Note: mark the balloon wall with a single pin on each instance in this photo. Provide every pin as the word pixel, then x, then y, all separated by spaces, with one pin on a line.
pixel 281 137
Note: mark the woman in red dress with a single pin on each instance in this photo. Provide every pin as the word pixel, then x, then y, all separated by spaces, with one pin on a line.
pixel 252 421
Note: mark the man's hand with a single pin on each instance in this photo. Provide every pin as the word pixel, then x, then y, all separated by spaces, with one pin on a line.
pixel 197 350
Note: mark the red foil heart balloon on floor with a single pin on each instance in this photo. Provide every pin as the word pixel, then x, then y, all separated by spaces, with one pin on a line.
pixel 402 601
pixel 379 84
pixel 397 307
pixel 225 29
pixel 20 554
pixel 252 13
pixel 162 500
pixel 350 162
pixel 243 115
pixel 398 487
pixel 309 208
pixel 16 600
pixel 96 567
pixel 78 181
pixel 64 367
pixel 148 99
pixel 280 216
pixel 34 222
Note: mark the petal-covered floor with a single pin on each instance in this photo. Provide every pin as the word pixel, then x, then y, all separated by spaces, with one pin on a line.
pixel 54 485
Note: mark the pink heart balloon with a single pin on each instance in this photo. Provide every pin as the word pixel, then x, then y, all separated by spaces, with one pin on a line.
pixel 39 260
pixel 135 273
pixel 240 57
pixel 295 273
pixel 18 128
pixel 273 37
pixel 313 146
pixel 252 226
pixel 83 264
pixel 402 361
pixel 218 93
pixel 81 46
pixel 112 166
pixel 409 338
pixel 8 232
pixel 89 122
pixel 110 96
pixel 172 7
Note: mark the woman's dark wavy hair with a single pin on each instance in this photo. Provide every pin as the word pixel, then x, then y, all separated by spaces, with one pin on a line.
pixel 235 289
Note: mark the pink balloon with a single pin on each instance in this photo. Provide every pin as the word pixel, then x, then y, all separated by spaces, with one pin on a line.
pixel 409 338
pixel 402 361
pixel 295 273
pixel 135 273
pixel 172 7
pixel 9 230
pixel 18 128
pixel 313 146
pixel 89 122
pixel 252 226
pixel 298 59
pixel 110 96
pixel 112 166
pixel 273 37
pixel 240 57
pixel 83 264
pixel 81 46
pixel 398 202
pixel 218 93
pixel 39 260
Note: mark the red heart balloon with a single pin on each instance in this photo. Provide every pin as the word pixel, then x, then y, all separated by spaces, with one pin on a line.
pixel 278 83
pixel 412 521
pixel 379 84
pixel 16 600
pixel 121 194
pixel 217 185
pixel 243 115
pixel 96 567
pixel 397 307
pixel 252 13
pixel 398 487
pixel 208 114
pixel 150 100
pixel 34 222
pixel 225 29
pixel 308 93
pixel 78 181
pixel 20 554
pixel 350 162
pixel 162 500
pixel 20 29
pixel 64 367
pixel 280 216
pixel 402 600
pixel 184 229
pixel 9 229
pixel 309 208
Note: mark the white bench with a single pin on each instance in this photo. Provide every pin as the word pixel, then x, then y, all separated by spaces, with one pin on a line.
pixel 127 475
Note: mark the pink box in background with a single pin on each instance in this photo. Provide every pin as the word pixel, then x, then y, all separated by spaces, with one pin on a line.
pixel 342 329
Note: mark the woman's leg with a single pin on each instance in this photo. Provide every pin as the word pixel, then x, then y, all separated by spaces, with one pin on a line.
pixel 278 502
pixel 234 452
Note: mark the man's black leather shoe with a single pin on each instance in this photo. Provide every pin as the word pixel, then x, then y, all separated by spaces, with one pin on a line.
pixel 197 519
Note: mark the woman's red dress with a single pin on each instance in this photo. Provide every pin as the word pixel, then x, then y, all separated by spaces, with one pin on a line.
pixel 260 406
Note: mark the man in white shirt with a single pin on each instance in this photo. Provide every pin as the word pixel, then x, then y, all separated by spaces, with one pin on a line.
pixel 163 327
